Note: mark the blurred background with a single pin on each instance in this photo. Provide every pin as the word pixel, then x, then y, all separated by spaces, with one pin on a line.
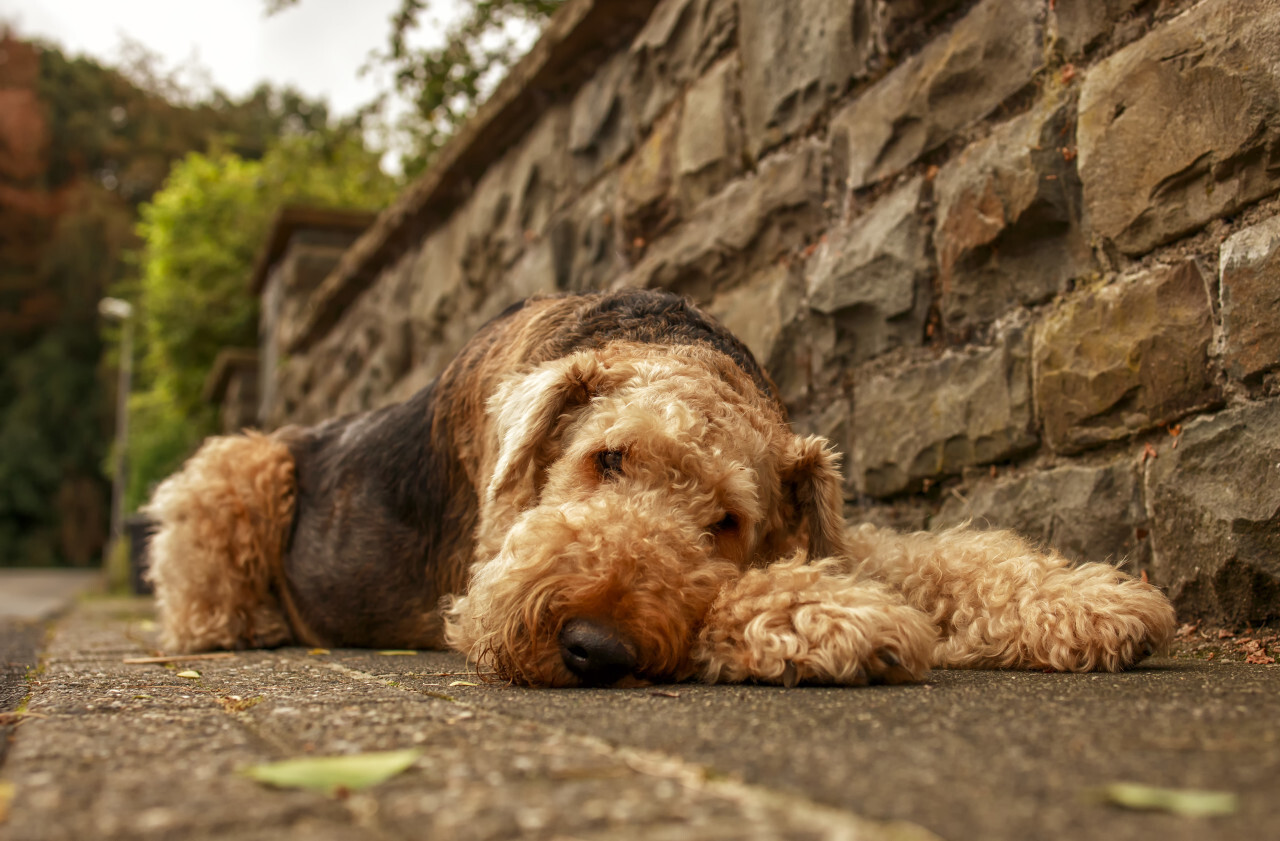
pixel 145 147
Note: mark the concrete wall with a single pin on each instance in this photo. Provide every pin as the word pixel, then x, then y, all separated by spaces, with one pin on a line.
pixel 1020 260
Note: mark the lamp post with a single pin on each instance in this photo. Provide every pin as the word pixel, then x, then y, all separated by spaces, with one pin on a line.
pixel 118 310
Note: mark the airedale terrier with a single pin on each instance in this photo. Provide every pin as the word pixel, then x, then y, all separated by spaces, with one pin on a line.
pixel 604 490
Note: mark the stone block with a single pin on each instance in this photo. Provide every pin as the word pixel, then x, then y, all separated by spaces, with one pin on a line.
pixel 708 147
pixel 1182 126
pixel 1008 210
pixel 1250 302
pixel 647 203
pixel 585 239
pixel 1214 505
pixel 747 225
pixel 679 41
pixel 1126 357
pixel 899 24
pixel 761 311
pixel 934 419
pixel 1081 24
pixel 601 127
pixel 1085 512
pixel 989 55
pixel 873 276
pixel 796 57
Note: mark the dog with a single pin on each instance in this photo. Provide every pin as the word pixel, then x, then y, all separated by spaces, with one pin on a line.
pixel 603 490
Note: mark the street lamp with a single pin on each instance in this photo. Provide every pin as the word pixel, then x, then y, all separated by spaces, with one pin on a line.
pixel 122 311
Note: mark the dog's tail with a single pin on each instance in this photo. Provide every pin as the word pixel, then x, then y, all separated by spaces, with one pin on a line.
pixel 216 556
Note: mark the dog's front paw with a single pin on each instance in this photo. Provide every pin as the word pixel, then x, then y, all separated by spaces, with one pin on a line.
pixel 1080 619
pixel 795 623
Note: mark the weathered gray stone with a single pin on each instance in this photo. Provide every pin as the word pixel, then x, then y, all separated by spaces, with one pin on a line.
pixel 680 39
pixel 1081 24
pixel 760 311
pixel 1214 504
pixel 990 54
pixel 1087 513
pixel 796 56
pixel 601 128
pixel 930 420
pixel 874 274
pixel 1123 358
pixel 1250 290
pixel 647 203
pixel 1183 125
pixel 584 239
pixel 1008 229
pixel 708 149
pixel 899 23
pixel 749 224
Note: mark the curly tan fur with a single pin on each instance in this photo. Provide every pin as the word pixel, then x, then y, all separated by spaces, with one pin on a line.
pixel 216 561
pixel 615 463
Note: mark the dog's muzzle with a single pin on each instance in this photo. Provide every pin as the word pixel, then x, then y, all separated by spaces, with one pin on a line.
pixel 596 653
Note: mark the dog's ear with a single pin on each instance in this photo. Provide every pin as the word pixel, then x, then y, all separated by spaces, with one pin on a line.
pixel 813 507
pixel 530 410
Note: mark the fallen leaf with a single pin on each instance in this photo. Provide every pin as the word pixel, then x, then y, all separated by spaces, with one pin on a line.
pixel 316 651
pixel 1224 634
pixel 664 693
pixel 463 683
pixel 190 674
pixel 332 774
pixel 397 653
pixel 1189 803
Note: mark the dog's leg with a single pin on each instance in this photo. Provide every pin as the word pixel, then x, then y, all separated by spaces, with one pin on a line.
pixel 1000 603
pixel 796 622
pixel 222 523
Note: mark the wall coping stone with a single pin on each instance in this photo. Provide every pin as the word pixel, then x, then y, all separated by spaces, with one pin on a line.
pixel 580 38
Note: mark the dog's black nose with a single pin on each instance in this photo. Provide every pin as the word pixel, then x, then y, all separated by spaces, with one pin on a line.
pixel 595 652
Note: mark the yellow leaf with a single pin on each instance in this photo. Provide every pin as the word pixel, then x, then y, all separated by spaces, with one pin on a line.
pixel 318 651
pixel 331 773
pixel 1189 803
pixel 190 674
pixel 463 683
pixel 397 653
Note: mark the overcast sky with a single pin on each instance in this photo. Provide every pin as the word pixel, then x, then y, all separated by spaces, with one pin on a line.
pixel 317 46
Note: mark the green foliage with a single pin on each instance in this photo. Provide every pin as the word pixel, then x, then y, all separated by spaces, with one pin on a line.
pixel 68 212
pixel 201 234
pixel 444 84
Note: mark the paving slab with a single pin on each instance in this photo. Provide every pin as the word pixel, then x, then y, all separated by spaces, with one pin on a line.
pixel 112 750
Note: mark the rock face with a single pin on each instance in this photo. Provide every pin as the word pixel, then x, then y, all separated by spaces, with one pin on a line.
pixel 999 252
pixel 1214 505
pixel 988 56
pixel 1130 356
pixel 873 276
pixel 1250 272
pixel 1088 513
pixel 936 418
pixel 796 57
pixel 1183 125
pixel 1009 226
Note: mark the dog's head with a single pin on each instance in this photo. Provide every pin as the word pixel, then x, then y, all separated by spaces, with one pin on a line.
pixel 626 488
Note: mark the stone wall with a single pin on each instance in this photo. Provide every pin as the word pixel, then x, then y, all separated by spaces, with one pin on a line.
pixel 1019 259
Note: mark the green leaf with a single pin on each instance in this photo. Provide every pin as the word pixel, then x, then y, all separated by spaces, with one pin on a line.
pixel 331 773
pixel 1191 803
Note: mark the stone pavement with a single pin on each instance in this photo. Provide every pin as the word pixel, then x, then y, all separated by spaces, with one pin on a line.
pixel 110 750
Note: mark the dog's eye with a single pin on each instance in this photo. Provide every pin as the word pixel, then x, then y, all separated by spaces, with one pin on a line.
pixel 728 524
pixel 609 463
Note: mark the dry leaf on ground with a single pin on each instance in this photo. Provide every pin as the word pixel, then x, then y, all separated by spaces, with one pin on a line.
pixel 1189 803
pixel 332 774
